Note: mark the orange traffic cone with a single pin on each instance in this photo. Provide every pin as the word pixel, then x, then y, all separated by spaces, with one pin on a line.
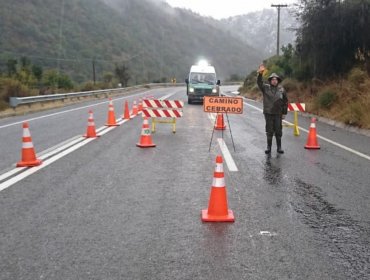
pixel 126 114
pixel 28 151
pixel 134 109
pixel 312 137
pixel 220 124
pixel 145 138
pixel 140 104
pixel 111 116
pixel 90 131
pixel 217 208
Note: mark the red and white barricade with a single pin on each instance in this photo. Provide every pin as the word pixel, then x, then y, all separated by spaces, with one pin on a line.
pixel 155 109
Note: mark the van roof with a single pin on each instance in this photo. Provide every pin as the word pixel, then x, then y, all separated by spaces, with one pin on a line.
pixel 202 69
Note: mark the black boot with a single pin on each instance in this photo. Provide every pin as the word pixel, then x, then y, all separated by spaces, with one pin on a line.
pixel 269 144
pixel 278 144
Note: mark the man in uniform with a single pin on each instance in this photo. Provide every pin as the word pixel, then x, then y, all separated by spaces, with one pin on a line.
pixel 275 107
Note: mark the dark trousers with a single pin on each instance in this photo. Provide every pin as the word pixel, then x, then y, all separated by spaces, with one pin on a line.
pixel 274 125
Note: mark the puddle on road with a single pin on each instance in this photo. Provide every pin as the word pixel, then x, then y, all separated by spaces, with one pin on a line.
pixel 345 240
pixel 272 171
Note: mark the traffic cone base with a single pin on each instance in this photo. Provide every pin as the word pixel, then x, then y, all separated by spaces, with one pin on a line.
pixel 220 124
pixel 110 124
pixel 149 145
pixel 312 147
pixel 29 163
pixel 87 136
pixel 212 218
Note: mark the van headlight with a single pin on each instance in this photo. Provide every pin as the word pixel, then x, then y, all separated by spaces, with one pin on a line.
pixel 191 89
pixel 214 90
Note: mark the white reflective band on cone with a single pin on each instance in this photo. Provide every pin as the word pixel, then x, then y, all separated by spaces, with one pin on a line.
pixel 219 167
pixel 27 145
pixel 26 132
pixel 91 123
pixel 313 125
pixel 218 182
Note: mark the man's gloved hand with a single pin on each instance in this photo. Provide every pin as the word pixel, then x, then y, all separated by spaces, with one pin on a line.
pixel 261 69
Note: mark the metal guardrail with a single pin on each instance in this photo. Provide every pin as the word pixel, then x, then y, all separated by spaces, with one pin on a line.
pixel 16 101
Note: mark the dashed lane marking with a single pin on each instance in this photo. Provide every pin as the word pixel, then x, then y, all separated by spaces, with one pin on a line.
pixel 227 156
pixel 225 151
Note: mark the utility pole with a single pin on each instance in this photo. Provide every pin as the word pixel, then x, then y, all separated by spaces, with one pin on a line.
pixel 279 6
pixel 93 68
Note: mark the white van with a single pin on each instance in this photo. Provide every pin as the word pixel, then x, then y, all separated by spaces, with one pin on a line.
pixel 202 81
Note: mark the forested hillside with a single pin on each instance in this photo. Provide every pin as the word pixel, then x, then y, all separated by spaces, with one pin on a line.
pixel 259 29
pixel 329 66
pixel 152 39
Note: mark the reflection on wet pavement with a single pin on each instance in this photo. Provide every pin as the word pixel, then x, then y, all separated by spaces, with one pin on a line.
pixel 345 240
pixel 272 171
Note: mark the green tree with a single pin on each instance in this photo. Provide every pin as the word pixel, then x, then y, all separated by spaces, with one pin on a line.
pixel 122 74
pixel 37 72
pixel 330 35
pixel 11 65
pixel 55 80
pixel 108 77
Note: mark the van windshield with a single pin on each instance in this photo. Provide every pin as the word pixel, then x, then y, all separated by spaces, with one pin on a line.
pixel 207 78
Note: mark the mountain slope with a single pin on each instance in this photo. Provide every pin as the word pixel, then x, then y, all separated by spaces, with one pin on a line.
pixel 151 38
pixel 259 29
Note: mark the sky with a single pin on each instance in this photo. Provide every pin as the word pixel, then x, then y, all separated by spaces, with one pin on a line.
pixel 225 8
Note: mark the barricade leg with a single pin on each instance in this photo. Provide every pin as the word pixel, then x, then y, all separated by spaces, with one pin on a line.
pixel 153 124
pixel 296 129
pixel 174 125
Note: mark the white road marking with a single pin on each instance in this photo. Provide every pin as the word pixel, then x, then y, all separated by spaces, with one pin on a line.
pixel 323 138
pixel 33 170
pixel 227 156
pixel 267 233
pixel 11 173
pixel 225 151
pixel 51 152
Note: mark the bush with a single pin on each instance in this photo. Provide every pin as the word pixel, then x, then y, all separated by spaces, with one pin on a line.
pixel 326 99
pixel 88 86
pixel 13 88
pixel 3 105
pixel 356 77
pixel 290 84
pixel 353 115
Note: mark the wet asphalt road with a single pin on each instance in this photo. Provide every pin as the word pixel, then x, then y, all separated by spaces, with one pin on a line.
pixel 110 210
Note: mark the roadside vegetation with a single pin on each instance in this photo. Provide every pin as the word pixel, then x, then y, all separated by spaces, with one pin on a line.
pixel 22 78
pixel 329 67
